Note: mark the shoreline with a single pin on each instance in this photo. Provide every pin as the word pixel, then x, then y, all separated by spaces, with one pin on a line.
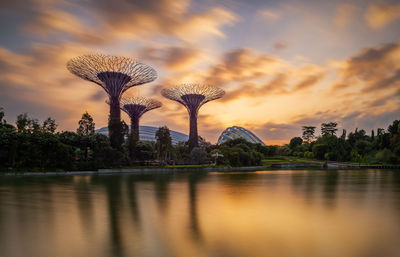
pixel 142 171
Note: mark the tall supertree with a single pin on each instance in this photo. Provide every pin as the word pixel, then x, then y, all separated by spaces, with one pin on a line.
pixel 115 74
pixel 193 96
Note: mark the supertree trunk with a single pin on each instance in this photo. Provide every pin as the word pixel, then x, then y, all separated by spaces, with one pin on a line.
pixel 115 128
pixel 133 138
pixel 135 128
pixel 193 134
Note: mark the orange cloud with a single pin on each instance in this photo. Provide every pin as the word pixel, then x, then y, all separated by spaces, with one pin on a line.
pixel 172 57
pixel 373 69
pixel 378 15
pixel 104 21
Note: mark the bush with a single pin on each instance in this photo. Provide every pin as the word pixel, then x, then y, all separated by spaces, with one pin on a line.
pixel 198 155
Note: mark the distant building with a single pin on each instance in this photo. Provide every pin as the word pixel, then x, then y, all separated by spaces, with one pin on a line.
pixel 147 133
pixel 238 132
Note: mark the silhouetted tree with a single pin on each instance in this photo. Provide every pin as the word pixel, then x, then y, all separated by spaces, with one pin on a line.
pixel 49 125
pixel 86 125
pixel 308 133
pixel 296 141
pixel 328 128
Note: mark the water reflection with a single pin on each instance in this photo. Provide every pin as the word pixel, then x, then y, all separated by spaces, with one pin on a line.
pixel 195 230
pixel 133 199
pixel 273 213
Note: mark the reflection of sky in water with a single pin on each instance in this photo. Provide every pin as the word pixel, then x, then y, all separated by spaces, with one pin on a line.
pixel 272 213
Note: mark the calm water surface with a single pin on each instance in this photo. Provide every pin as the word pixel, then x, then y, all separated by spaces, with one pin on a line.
pixel 344 213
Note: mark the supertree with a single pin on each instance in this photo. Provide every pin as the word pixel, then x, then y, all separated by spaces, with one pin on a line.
pixel 135 107
pixel 115 74
pixel 193 96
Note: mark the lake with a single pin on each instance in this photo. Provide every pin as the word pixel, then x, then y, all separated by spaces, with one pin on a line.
pixel 296 213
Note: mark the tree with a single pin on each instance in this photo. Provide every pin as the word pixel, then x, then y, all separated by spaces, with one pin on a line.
pixel 49 125
pixel 26 124
pixel 144 151
pixel 308 133
pixel 164 142
pixel 394 128
pixel 86 125
pixel 2 116
pixel 199 155
pixel 296 141
pixel 86 128
pixel 328 128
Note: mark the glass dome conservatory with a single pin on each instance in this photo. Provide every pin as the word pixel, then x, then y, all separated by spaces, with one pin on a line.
pixel 238 132
pixel 148 133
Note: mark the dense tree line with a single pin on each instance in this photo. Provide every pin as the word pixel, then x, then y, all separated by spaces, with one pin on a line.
pixel 380 147
pixel 30 145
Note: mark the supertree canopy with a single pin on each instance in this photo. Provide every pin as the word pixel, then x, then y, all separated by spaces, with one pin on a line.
pixel 115 74
pixel 193 96
pixel 135 107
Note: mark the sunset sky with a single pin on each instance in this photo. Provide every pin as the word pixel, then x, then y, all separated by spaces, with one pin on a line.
pixel 283 64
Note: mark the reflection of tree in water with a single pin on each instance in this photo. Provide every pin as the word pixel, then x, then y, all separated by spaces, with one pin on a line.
pixel 133 198
pixel 194 178
pixel 161 189
pixel 394 177
pixel 304 184
pixel 113 191
pixel 331 179
pixel 83 192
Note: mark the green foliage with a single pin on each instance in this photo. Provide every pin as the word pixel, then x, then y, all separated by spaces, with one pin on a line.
pixel 163 143
pixel 239 152
pixel 386 156
pixel 144 151
pixel 384 147
pixel 296 141
pixel 86 125
pixel 198 155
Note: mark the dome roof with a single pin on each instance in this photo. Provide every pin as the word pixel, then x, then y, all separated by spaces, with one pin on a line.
pixel 238 132
pixel 148 133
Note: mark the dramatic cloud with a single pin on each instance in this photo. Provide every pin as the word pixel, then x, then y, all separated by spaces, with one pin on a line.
pixel 166 17
pixel 244 64
pixel 101 21
pixel 380 14
pixel 372 70
pixel 172 57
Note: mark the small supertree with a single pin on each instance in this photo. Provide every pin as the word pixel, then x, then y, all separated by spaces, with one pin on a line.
pixel 115 74
pixel 193 96
pixel 135 107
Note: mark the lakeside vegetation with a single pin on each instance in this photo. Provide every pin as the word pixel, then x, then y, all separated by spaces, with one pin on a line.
pixel 382 147
pixel 33 146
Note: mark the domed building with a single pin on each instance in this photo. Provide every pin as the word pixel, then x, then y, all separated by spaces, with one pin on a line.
pixel 148 133
pixel 238 132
